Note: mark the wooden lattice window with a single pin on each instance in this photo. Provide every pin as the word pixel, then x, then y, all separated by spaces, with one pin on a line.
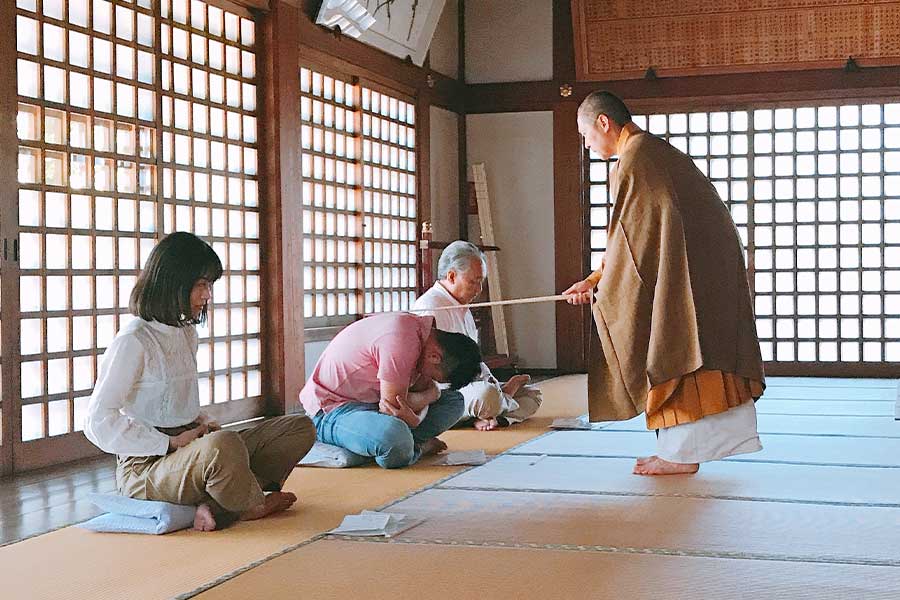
pixel 209 186
pixel 87 212
pixel 135 118
pixel 389 201
pixel 331 199
pixel 359 199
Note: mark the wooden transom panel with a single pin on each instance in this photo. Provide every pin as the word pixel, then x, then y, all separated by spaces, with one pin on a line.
pixel 621 39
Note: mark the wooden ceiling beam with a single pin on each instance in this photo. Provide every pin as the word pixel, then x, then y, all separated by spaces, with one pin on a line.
pixel 702 91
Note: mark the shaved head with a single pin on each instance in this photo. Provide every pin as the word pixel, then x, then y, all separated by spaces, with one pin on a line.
pixel 604 103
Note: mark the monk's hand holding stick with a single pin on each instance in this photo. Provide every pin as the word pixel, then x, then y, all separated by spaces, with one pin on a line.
pixel 580 293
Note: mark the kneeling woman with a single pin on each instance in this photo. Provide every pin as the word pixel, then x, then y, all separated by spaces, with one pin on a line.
pixel 146 409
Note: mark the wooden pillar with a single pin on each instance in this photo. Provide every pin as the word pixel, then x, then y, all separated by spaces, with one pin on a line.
pixel 423 176
pixel 10 415
pixel 461 127
pixel 283 371
pixel 572 322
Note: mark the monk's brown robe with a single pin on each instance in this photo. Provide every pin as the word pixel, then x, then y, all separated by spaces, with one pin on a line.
pixel 673 309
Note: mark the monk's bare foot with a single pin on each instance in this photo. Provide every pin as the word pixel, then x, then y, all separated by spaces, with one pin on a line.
pixel 644 459
pixel 658 466
pixel 432 446
pixel 485 424
pixel 204 519
pixel 515 383
pixel 274 503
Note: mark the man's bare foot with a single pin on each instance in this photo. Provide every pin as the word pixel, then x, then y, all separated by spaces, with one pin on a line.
pixel 274 503
pixel 485 424
pixel 204 519
pixel 515 383
pixel 432 446
pixel 643 459
pixel 658 466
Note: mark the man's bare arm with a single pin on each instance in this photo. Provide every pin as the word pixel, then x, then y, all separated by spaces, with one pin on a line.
pixel 423 394
pixel 394 402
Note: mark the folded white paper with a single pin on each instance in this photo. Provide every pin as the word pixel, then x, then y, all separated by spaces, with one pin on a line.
pixel 570 423
pixel 375 524
pixel 464 457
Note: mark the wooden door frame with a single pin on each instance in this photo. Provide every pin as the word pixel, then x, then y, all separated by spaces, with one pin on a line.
pixel 8 225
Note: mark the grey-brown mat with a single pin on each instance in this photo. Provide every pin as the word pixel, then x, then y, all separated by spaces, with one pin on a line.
pixel 721 479
pixel 333 568
pixel 797 449
pixel 859 408
pixel 817 393
pixel 830 382
pixel 799 424
pixel 694 526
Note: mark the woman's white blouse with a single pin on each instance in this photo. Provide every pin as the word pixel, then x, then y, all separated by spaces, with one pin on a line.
pixel 148 379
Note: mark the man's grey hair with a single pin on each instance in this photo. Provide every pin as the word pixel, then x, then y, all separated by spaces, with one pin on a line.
pixel 604 103
pixel 458 257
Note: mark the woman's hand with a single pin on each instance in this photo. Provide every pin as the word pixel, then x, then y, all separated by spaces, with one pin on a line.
pixel 186 437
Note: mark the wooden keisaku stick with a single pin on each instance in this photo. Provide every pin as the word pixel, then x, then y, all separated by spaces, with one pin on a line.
pixel 534 300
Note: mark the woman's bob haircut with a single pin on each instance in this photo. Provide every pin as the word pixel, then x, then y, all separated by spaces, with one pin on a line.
pixel 162 291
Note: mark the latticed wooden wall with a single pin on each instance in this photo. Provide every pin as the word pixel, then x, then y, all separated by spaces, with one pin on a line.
pixel 621 39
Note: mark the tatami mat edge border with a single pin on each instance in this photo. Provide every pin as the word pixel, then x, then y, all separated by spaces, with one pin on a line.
pixel 749 460
pixel 893 563
pixel 475 488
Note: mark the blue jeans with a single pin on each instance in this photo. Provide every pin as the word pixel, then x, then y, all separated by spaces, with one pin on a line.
pixel 360 428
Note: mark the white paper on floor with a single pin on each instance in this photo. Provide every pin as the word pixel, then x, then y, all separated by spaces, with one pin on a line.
pixel 375 524
pixel 571 423
pixel 462 457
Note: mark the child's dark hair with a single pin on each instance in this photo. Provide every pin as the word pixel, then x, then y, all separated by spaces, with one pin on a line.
pixel 162 291
pixel 461 360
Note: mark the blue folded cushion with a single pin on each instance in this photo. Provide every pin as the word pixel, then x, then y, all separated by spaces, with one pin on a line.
pixel 334 457
pixel 129 515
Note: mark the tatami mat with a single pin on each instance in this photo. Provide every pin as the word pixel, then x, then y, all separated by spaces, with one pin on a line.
pixel 799 424
pixel 377 571
pixel 533 525
pixel 81 562
pixel 859 408
pixel 831 382
pixel 817 393
pixel 762 481
pixel 884 452
pixel 706 527
pixel 166 566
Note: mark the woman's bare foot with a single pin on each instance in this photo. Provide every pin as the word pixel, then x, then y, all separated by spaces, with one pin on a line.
pixel 485 424
pixel 204 519
pixel 515 383
pixel 274 503
pixel 658 466
pixel 432 446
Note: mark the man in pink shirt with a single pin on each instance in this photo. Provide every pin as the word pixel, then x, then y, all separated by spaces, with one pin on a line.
pixel 374 389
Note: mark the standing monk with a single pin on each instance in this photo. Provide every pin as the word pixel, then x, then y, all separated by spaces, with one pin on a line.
pixel 673 309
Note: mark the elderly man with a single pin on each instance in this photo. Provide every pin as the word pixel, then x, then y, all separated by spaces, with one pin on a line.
pixel 673 309
pixel 461 271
